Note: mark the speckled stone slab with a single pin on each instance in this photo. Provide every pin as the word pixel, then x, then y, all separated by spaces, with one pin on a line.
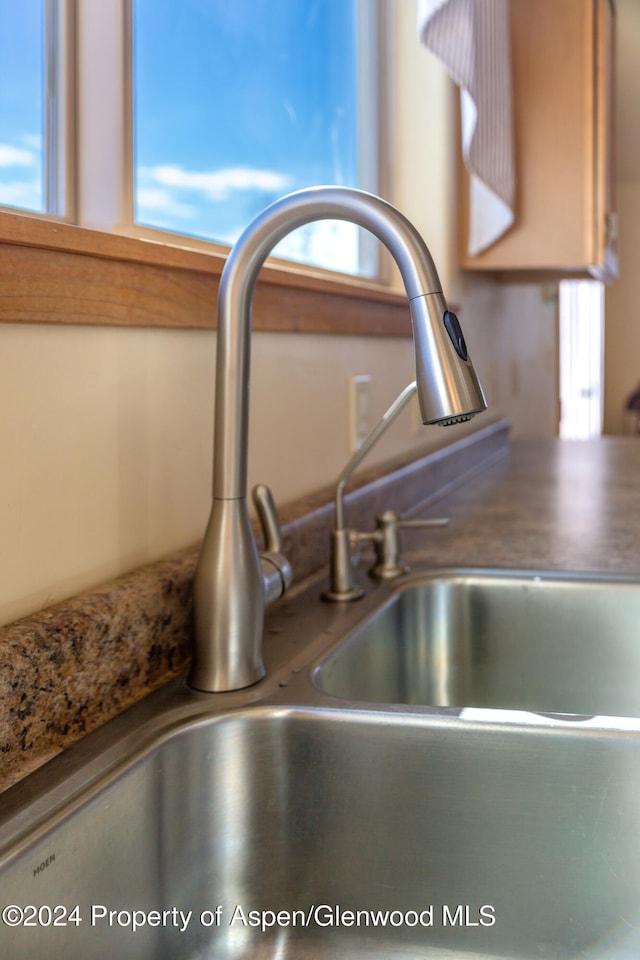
pixel 69 668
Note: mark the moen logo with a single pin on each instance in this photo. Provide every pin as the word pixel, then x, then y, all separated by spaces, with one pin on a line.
pixel 464 916
pixel 44 865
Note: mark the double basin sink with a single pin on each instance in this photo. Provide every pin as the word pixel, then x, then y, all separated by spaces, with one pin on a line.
pixel 451 771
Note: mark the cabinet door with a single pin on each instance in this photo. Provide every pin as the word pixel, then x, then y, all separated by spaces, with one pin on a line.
pixel 562 62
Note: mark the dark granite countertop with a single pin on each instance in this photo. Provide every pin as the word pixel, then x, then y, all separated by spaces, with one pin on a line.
pixel 545 504
pixel 540 504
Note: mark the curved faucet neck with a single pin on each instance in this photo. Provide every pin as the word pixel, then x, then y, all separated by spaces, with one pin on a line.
pixel 237 287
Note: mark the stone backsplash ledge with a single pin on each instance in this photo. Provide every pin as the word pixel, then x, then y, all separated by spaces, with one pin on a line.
pixel 68 669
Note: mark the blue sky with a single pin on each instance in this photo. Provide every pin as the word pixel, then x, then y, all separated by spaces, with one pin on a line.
pixel 236 102
pixel 21 103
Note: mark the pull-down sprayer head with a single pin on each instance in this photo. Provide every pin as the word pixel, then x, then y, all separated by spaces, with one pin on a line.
pixel 448 388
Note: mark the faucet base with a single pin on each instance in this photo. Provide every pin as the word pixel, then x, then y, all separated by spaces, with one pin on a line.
pixel 228 595
pixel 386 571
pixel 342 596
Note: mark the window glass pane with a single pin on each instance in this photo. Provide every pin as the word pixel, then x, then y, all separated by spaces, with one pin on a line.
pixel 238 103
pixel 22 104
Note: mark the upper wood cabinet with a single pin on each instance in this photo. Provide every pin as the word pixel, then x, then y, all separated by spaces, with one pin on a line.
pixel 563 79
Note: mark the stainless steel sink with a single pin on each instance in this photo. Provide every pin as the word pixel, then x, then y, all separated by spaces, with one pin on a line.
pixel 525 641
pixel 377 834
pixel 278 823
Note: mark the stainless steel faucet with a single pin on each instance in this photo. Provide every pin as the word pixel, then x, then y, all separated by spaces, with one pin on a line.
pixel 233 584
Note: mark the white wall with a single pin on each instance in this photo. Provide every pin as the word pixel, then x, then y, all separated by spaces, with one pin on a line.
pixel 513 329
pixel 622 318
pixel 622 325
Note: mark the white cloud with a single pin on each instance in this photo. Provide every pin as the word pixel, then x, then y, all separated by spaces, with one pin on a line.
pixel 332 244
pixel 26 195
pixel 217 184
pixel 153 199
pixel 11 156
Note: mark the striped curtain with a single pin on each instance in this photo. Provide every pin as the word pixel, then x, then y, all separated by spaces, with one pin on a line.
pixel 471 38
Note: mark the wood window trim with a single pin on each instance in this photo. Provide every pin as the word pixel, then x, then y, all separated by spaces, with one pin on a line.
pixel 54 272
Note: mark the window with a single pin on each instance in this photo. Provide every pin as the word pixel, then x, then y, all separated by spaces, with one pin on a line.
pixel 22 105
pixel 236 104
pixel 192 115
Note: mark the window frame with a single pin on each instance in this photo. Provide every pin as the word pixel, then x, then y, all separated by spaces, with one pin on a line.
pixel 59 120
pixel 108 271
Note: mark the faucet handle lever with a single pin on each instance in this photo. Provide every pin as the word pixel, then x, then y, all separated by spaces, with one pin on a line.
pixel 276 569
pixel 268 516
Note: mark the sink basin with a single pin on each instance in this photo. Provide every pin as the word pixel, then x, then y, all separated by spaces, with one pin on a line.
pixel 379 835
pixel 525 641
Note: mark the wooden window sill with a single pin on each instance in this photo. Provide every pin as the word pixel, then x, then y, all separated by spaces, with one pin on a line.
pixel 52 272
